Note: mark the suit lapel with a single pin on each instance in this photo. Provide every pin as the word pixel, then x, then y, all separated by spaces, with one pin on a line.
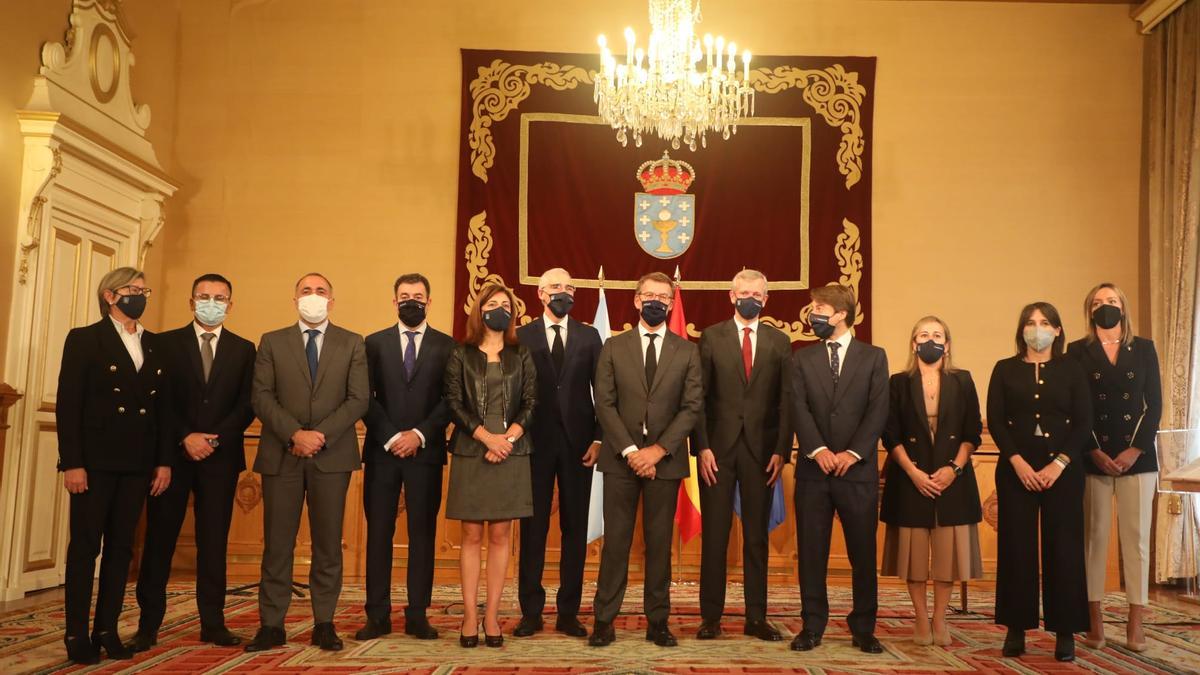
pixel 665 352
pixel 295 344
pixel 191 346
pixel 948 393
pixel 818 354
pixel 327 346
pixel 850 367
pixel 734 337
pixel 916 392
pixel 636 355
pixel 572 345
pixel 220 357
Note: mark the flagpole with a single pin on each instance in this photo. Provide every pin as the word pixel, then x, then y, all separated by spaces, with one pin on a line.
pixel 678 530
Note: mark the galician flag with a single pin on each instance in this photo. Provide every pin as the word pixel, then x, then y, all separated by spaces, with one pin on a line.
pixel 687 509
pixel 595 528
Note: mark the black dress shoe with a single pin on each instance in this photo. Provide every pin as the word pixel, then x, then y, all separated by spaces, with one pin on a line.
pixel 709 630
pixel 419 628
pixel 81 651
pixel 762 630
pixel 142 641
pixel 220 636
pixel 374 629
pixel 1014 643
pixel 569 625
pixel 528 625
pixel 110 642
pixel 493 640
pixel 267 637
pixel 659 634
pixel 1064 647
pixel 867 643
pixel 325 637
pixel 602 635
pixel 805 641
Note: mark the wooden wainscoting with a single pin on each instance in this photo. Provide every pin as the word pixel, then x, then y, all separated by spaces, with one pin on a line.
pixel 245 538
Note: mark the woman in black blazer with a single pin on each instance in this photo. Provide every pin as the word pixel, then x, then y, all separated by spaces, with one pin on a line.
pixel 1040 415
pixel 114 447
pixel 491 389
pixel 1121 461
pixel 930 498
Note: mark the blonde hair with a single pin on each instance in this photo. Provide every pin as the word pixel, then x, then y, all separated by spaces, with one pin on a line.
pixel 118 278
pixel 1126 327
pixel 947 364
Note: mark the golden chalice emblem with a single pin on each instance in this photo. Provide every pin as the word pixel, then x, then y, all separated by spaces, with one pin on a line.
pixel 664 225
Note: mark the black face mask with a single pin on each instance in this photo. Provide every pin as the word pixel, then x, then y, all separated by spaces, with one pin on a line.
pixel 930 352
pixel 560 304
pixel 821 326
pixel 1107 316
pixel 653 312
pixel 133 306
pixel 748 308
pixel 497 319
pixel 411 312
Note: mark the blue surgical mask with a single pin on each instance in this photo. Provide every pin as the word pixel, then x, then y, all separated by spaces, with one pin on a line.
pixel 1039 337
pixel 210 312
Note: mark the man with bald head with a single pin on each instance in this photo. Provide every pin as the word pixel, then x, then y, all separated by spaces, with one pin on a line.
pixel 310 389
pixel 566 442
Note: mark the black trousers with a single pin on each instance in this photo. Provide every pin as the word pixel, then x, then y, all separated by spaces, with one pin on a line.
pixel 214 488
pixel 105 516
pixel 737 466
pixel 422 485
pixel 857 506
pixel 1064 582
pixel 546 465
pixel 659 498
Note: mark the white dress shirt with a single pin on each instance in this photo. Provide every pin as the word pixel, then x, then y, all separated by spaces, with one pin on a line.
pixel 200 332
pixel 661 332
pixel 418 339
pixel 552 321
pixel 844 341
pixel 741 332
pixel 304 328
pixel 133 342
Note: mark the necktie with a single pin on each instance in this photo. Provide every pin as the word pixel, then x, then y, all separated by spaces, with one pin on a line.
pixel 651 360
pixel 206 353
pixel 410 354
pixel 834 362
pixel 310 350
pixel 556 350
pixel 747 351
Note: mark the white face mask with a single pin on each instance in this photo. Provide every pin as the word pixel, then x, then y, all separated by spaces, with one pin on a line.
pixel 313 308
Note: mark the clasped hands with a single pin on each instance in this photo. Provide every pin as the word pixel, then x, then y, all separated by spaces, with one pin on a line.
pixel 406 445
pixel 307 442
pixel 1118 466
pixel 499 446
pixel 643 460
pixel 1036 481
pixel 835 463
pixel 932 485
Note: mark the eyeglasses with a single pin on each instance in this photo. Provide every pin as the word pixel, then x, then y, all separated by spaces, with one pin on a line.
pixel 558 288
pixel 205 297
pixel 661 297
pixel 133 290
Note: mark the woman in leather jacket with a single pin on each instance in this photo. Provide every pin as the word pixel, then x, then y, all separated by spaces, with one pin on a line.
pixel 491 388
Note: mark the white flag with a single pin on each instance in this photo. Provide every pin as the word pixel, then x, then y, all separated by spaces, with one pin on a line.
pixel 595 528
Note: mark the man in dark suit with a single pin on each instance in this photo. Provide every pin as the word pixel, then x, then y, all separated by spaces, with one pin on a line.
pixel 566 443
pixel 211 371
pixel 649 392
pixel 310 389
pixel 743 438
pixel 405 450
pixel 840 406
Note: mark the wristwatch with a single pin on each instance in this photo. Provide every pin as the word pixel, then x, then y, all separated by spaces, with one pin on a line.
pixel 958 470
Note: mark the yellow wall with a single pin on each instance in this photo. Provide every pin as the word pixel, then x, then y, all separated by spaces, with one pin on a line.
pixel 324 135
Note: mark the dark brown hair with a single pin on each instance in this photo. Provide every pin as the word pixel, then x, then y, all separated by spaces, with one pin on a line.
pixel 654 276
pixel 1051 314
pixel 412 278
pixel 475 327
pixel 839 297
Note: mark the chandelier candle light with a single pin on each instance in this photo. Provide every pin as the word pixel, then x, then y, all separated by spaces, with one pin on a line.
pixel 679 87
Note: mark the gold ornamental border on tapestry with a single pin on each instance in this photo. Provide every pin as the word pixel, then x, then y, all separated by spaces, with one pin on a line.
pixel 833 92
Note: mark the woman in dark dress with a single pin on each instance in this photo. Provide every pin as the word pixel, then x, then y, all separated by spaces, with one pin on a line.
pixel 930 498
pixel 491 388
pixel 1040 416
pixel 1121 461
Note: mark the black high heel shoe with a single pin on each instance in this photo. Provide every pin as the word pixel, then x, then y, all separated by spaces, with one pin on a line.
pixel 1014 643
pixel 1064 646
pixel 468 641
pixel 81 651
pixel 493 640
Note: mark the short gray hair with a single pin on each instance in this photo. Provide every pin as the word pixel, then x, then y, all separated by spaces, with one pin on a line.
pixel 749 275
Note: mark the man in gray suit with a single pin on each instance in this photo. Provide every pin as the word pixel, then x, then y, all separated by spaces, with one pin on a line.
pixel 648 393
pixel 310 388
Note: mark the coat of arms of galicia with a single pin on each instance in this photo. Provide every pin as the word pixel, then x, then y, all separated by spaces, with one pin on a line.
pixel 664 217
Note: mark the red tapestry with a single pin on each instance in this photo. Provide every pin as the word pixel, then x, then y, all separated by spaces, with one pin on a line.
pixel 544 183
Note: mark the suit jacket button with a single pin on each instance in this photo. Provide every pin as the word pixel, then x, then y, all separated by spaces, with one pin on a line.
pixel 116 390
pixel 158 372
pixel 204 401
pixel 912 439
pixel 112 369
pixel 141 411
pixel 153 392
pixel 121 409
pixel 1046 435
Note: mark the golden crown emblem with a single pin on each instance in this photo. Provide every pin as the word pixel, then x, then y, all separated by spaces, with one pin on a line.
pixel 666 176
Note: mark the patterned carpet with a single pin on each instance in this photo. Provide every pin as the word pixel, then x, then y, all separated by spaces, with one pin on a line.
pixel 31 642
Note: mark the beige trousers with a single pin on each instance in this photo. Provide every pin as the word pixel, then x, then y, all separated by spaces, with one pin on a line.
pixel 1135 498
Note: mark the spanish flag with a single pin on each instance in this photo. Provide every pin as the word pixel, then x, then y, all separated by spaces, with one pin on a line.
pixel 687 509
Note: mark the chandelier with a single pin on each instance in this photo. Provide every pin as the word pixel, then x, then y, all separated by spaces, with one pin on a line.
pixel 680 87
